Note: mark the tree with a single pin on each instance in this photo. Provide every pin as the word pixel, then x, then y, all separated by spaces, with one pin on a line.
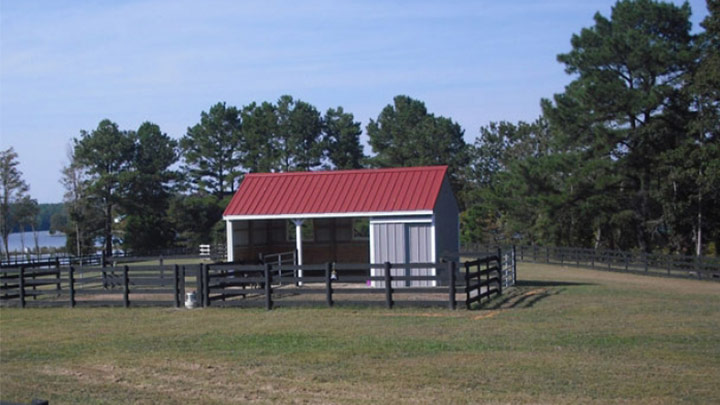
pixel 26 212
pixel 405 134
pixel 342 139
pixel 194 216
pixel 286 136
pixel 298 132
pixel 213 150
pixel 625 108
pixel 105 154
pixel 259 130
pixel 13 188
pixel 84 215
pixel 147 226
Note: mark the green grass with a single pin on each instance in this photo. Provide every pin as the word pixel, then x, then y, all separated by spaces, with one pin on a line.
pixel 564 335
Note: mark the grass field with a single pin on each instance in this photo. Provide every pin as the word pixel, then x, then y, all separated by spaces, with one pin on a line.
pixel 564 335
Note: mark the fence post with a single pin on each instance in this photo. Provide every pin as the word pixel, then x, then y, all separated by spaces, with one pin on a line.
pixel 515 264
pixel 592 258
pixel 57 276
pixel 126 287
pixel 177 286
pixel 198 284
pixel 388 286
pixel 206 285
pixel 268 287
pixel 645 261
pixel 21 286
pixel 328 284
pixel 547 254
pixel 625 256
pixel 451 265
pixel 71 281
pixel 487 278
pixel 467 285
pixel 182 283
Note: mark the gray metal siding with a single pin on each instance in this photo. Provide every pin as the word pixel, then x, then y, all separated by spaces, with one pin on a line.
pixel 419 247
pixel 389 245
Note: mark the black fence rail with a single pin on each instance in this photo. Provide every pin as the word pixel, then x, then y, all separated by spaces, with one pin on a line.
pixel 265 285
pixel 388 284
pixel 31 260
pixel 696 267
pixel 93 286
pixel 483 279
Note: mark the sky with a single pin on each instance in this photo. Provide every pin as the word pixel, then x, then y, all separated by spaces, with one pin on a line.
pixel 66 65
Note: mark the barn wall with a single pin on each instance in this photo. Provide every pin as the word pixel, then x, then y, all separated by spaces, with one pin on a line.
pixel 402 240
pixel 447 232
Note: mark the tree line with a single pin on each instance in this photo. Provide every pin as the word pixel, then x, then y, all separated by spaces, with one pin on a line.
pixel 627 157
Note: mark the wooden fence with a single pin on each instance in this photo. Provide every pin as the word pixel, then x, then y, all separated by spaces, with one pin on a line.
pixel 483 279
pixel 17 260
pixel 93 286
pixel 230 284
pixel 697 267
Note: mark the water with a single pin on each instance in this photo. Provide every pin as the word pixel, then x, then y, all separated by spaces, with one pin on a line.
pixel 44 239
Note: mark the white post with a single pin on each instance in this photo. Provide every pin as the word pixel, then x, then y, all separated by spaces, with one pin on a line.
pixel 298 245
pixel 229 241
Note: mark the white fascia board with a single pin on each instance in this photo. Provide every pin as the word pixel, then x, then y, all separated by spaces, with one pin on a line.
pixel 327 215
pixel 415 220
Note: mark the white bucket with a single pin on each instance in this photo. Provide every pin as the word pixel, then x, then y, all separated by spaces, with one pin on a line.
pixel 190 300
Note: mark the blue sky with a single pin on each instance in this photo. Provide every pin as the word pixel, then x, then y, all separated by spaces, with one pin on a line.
pixel 66 65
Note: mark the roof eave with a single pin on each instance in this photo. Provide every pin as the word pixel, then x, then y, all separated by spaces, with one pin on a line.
pixel 327 215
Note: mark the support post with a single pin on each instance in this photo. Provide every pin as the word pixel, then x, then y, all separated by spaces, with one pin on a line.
pixel 328 284
pixel 451 267
pixel 388 286
pixel 229 241
pixel 298 247
pixel 21 286
pixel 71 281
pixel 126 287
pixel 268 287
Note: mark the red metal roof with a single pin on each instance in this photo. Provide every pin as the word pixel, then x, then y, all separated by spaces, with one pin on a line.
pixel 341 191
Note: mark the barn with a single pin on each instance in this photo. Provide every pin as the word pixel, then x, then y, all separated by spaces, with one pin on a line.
pixel 398 215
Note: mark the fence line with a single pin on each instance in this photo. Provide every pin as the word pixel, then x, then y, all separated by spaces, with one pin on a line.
pixel 235 284
pixel 697 267
pixel 93 286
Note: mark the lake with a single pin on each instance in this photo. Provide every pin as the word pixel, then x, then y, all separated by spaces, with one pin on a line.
pixel 44 239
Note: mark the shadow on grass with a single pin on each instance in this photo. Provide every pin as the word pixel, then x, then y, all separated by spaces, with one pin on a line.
pixel 525 296
pixel 544 283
